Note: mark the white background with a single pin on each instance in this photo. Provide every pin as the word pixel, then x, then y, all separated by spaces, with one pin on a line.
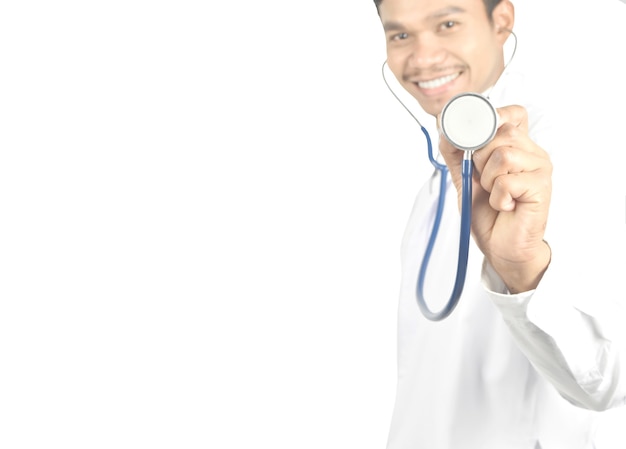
pixel 201 207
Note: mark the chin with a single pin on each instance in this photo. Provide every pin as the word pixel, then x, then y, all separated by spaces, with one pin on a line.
pixel 435 107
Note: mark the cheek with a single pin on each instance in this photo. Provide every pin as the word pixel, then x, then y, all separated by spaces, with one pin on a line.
pixel 480 54
pixel 396 62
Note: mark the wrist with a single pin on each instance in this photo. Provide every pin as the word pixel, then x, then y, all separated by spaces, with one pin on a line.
pixel 522 276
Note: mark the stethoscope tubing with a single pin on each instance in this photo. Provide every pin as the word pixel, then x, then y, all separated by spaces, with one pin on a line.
pixel 464 239
pixel 466 219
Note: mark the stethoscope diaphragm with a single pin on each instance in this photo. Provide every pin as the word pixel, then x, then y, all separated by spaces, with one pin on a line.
pixel 469 121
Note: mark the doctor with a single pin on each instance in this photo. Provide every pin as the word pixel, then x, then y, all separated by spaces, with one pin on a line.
pixel 520 364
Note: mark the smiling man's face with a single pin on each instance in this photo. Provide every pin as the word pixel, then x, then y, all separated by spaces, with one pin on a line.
pixel 440 48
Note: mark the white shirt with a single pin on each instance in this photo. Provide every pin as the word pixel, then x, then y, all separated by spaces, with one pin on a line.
pixel 504 371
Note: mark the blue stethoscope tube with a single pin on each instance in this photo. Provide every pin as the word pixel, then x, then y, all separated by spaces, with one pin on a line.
pixel 464 240
pixel 469 121
pixel 472 124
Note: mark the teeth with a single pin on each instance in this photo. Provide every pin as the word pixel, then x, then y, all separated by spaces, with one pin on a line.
pixel 431 84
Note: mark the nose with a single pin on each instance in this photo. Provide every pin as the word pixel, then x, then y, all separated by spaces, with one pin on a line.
pixel 426 52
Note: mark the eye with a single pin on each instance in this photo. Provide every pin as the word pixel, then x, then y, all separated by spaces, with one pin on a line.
pixel 447 25
pixel 400 36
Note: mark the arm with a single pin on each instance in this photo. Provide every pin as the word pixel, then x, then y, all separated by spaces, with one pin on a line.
pixel 578 353
pixel 511 197
pixel 578 349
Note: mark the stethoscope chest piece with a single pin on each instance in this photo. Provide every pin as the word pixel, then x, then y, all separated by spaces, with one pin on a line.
pixel 469 121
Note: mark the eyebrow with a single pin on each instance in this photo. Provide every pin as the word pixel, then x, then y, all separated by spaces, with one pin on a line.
pixel 396 26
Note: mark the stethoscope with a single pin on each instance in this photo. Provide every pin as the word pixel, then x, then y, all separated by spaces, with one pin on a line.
pixel 469 121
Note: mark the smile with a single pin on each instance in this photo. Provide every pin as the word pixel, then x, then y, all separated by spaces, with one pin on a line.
pixel 437 82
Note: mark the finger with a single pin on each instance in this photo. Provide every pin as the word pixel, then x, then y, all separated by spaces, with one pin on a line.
pixel 511 190
pixel 507 160
pixel 514 115
pixel 451 155
pixel 503 149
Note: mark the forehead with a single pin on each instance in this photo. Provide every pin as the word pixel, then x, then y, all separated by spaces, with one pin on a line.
pixel 417 11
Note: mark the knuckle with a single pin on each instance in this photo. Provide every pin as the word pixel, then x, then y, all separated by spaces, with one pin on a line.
pixel 502 156
pixel 500 183
pixel 522 112
pixel 511 132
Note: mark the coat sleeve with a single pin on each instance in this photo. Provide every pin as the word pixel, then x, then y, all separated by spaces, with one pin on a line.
pixel 580 353
pixel 572 326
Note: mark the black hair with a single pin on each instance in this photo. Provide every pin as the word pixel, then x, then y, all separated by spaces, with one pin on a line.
pixel 489 5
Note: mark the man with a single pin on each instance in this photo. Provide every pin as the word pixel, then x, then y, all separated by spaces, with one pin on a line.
pixel 520 363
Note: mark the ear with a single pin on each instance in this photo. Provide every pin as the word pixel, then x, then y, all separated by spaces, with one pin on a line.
pixel 503 17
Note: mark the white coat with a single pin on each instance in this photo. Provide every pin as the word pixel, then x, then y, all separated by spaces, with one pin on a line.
pixel 520 371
